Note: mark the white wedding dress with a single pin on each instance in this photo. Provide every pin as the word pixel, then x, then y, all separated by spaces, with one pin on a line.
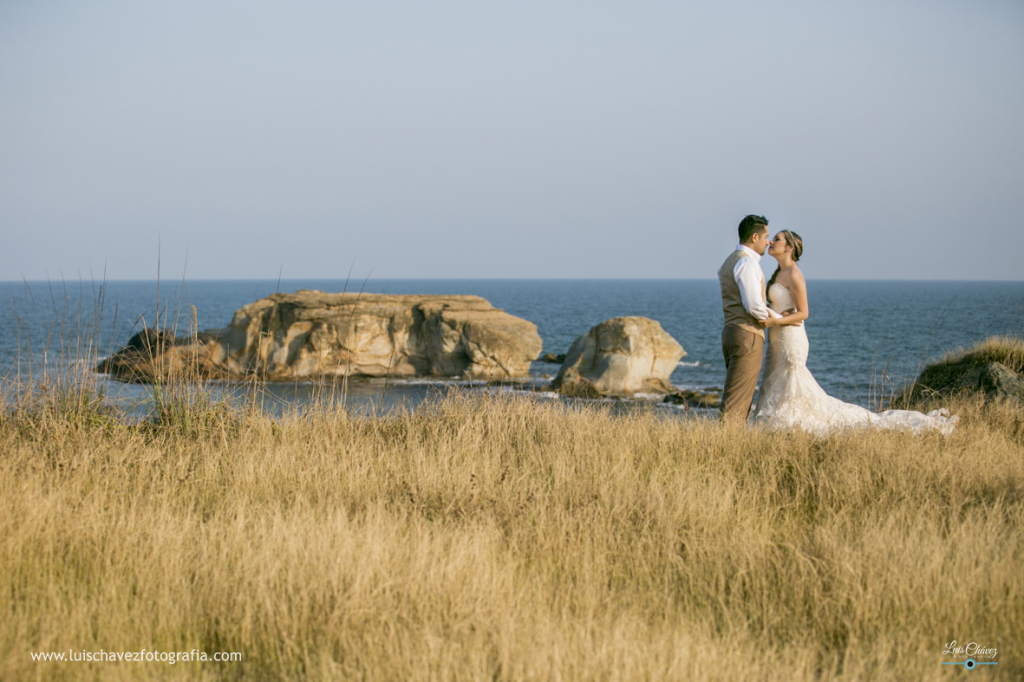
pixel 791 398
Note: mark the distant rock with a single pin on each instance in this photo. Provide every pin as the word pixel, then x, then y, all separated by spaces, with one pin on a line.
pixel 552 359
pixel 160 356
pixel 312 334
pixel 149 340
pixel 619 357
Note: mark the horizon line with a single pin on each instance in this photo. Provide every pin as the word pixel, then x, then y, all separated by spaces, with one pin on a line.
pixel 485 279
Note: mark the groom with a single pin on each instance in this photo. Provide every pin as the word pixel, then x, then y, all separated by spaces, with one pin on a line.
pixel 744 305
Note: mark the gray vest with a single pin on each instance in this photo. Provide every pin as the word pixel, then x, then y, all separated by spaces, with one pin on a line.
pixel 732 302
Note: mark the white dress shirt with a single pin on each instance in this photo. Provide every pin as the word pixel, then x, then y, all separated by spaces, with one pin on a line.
pixel 747 273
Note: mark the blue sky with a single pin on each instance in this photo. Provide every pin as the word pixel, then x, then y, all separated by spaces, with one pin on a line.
pixel 458 139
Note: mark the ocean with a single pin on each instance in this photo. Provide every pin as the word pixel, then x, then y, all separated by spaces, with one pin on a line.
pixel 867 338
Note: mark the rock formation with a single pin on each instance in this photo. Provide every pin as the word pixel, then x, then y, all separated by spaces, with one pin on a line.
pixel 1000 382
pixel 993 368
pixel 313 334
pixel 619 357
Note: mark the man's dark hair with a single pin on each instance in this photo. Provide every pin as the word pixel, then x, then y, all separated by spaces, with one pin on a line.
pixel 752 224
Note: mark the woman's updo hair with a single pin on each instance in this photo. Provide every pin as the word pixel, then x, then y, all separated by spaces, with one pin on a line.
pixel 794 240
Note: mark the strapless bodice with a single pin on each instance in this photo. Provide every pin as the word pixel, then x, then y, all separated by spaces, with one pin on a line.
pixel 780 299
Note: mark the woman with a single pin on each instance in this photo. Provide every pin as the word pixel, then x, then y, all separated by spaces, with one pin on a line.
pixel 790 397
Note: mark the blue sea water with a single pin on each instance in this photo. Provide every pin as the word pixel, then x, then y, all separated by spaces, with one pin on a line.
pixel 866 337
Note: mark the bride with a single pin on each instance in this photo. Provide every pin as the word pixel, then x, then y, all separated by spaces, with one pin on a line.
pixel 790 397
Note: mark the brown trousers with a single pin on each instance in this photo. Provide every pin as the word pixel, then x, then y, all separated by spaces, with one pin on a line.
pixel 744 353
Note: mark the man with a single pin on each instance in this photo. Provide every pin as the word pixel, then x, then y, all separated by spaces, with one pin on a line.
pixel 745 307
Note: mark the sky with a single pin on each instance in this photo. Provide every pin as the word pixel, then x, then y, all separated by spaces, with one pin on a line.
pixel 227 140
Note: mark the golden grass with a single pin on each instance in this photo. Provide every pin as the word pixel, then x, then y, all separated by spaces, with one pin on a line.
pixel 502 538
pixel 1008 350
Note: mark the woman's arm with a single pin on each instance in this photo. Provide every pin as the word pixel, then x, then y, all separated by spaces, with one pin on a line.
pixel 798 287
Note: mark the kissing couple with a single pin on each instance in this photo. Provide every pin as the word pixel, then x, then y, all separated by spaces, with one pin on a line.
pixel 790 397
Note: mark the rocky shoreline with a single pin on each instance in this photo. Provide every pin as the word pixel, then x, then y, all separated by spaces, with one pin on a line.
pixel 316 336
pixel 993 368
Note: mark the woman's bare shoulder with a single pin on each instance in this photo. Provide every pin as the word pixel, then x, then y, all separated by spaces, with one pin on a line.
pixel 796 280
pixel 791 278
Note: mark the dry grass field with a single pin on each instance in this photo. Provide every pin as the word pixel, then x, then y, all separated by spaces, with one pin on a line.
pixel 505 538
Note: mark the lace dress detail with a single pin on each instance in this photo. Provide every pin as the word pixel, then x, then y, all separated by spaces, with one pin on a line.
pixel 790 397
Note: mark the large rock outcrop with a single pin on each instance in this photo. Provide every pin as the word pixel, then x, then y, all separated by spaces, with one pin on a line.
pixel 311 334
pixel 993 367
pixel 619 357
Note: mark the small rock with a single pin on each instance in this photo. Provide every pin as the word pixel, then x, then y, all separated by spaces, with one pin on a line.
pixel 692 398
pixel 150 341
pixel 999 381
pixel 553 359
pixel 619 357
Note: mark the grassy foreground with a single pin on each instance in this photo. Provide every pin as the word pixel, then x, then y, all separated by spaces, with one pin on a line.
pixel 507 539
